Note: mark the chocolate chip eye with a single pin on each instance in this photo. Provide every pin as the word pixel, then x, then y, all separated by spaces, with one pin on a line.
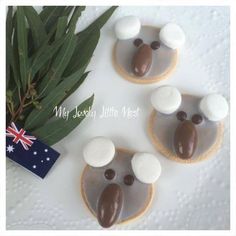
pixel 138 42
pixel 155 45
pixel 129 179
pixel 181 115
pixel 109 174
pixel 197 119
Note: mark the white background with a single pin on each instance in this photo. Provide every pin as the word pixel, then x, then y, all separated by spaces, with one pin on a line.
pixel 188 196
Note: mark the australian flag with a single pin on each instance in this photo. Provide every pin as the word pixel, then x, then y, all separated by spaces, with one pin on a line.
pixel 28 151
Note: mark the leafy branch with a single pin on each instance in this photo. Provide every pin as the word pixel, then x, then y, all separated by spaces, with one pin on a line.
pixel 45 63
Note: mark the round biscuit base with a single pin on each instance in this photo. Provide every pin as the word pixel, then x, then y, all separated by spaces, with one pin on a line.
pixel 169 153
pixel 144 80
pixel 134 217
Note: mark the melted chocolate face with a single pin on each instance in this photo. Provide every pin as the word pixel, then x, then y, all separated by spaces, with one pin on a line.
pixel 184 134
pixel 118 199
pixel 144 57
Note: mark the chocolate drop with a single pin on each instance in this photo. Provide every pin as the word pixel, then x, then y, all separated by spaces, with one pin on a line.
pixel 142 60
pixel 197 119
pixel 185 139
pixel 129 179
pixel 138 42
pixel 109 174
pixel 181 115
pixel 109 205
pixel 155 45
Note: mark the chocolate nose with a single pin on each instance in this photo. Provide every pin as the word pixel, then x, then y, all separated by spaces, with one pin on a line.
pixel 109 205
pixel 185 139
pixel 142 60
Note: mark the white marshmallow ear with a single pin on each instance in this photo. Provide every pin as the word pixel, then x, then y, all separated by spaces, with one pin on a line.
pixel 166 99
pixel 146 167
pixel 214 107
pixel 127 27
pixel 99 152
pixel 172 36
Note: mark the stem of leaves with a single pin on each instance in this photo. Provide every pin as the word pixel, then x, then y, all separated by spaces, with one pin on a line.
pixel 36 45
pixel 23 101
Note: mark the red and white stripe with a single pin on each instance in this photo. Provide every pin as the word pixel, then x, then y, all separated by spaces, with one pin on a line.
pixel 19 136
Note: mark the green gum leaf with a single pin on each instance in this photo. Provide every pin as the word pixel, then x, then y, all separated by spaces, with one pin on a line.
pixel 56 130
pixel 22 46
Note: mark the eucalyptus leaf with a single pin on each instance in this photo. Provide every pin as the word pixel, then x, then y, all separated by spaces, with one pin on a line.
pixel 67 11
pixel 84 36
pixel 44 47
pixel 7 64
pixel 76 14
pixel 36 26
pixel 52 31
pixel 16 72
pixel 96 25
pixel 50 14
pixel 9 24
pixel 84 54
pixel 38 117
pixel 99 22
pixel 12 62
pixel 56 130
pixel 44 54
pixel 22 46
pixel 15 80
pixel 61 27
pixel 76 86
pixel 9 30
pixel 58 66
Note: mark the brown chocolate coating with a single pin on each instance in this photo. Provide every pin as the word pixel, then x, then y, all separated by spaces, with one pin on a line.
pixel 197 119
pixel 181 115
pixel 109 205
pixel 138 42
pixel 185 139
pixel 155 45
pixel 142 60
pixel 129 179
pixel 109 174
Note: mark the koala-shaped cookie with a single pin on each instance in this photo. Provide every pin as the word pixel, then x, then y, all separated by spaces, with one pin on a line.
pixel 146 54
pixel 186 128
pixel 117 184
